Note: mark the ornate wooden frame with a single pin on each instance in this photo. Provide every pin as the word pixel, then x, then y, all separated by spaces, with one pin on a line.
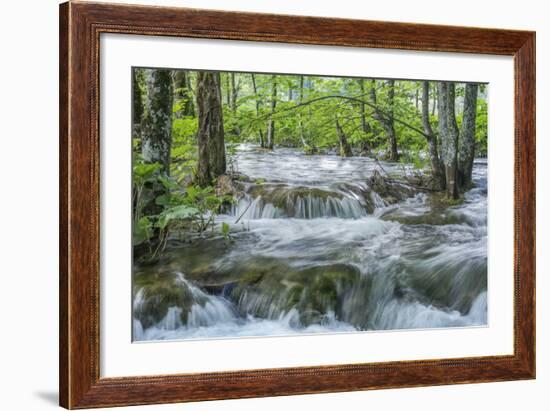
pixel 80 27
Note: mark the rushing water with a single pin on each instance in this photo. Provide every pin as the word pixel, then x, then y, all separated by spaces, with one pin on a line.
pixel 316 250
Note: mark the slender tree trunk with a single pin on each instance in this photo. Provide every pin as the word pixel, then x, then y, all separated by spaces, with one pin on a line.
pixel 387 122
pixel 434 103
pixel 271 121
pixel 156 126
pixel 467 140
pixel 390 127
pixel 300 121
pixel 257 98
pixel 437 171
pixel 182 93
pixel 234 96
pixel 234 93
pixel 137 103
pixel 365 126
pixel 210 134
pixel 227 89
pixel 448 132
pixel 191 94
pixel 345 149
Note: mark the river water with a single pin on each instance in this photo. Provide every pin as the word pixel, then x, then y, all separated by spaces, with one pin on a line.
pixel 316 250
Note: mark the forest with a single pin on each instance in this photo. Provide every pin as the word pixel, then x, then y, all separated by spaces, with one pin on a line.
pixel 213 151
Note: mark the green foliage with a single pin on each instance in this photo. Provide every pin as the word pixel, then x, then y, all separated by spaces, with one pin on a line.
pixel 175 214
pixel 481 127
pixel 142 231
pixel 184 153
pixel 225 232
pixel 163 207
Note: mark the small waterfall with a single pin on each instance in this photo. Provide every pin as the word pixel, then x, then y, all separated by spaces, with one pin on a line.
pixel 216 310
pixel 202 310
pixel 172 319
pixel 299 202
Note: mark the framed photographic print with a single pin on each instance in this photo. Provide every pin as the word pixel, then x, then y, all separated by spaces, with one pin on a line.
pixel 257 205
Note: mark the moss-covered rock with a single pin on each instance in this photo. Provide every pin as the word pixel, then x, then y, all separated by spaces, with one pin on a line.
pixel 435 217
pixel 155 293
pixel 314 292
pixel 389 190
pixel 284 196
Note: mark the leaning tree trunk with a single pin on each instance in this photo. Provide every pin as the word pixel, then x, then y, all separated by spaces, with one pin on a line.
pixel 448 132
pixel 257 98
pixel 271 122
pixel 156 125
pixel 438 173
pixel 467 140
pixel 345 149
pixel 210 133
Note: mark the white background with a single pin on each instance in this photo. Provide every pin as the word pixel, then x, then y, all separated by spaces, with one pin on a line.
pixel 28 128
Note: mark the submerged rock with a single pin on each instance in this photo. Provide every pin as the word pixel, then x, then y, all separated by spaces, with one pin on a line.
pixel 448 277
pixel 315 292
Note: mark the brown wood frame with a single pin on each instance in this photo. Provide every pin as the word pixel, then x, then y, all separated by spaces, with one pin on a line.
pixel 80 27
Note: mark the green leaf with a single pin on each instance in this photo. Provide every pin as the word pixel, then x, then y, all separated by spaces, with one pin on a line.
pixel 145 171
pixel 181 212
pixel 167 182
pixel 142 231
pixel 225 229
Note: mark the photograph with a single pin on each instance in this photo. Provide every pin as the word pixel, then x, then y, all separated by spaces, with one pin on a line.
pixel 271 204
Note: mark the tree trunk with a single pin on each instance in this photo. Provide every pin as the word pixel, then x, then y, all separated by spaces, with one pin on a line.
pixel 467 140
pixel 300 121
pixel 365 126
pixel 182 93
pixel 387 122
pixel 434 104
pixel 448 132
pixel 255 89
pixel 156 126
pixel 271 122
pixel 227 89
pixel 234 93
pixel 345 149
pixel 210 133
pixel 437 171
pixel 137 103
pixel 390 128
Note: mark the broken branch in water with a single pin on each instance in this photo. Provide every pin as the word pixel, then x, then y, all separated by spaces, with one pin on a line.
pixel 243 213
